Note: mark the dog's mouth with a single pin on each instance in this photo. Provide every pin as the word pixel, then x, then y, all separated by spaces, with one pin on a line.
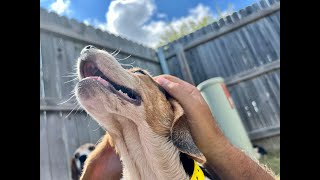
pixel 89 70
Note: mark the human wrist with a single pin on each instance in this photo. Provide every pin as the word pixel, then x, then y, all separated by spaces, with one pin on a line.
pixel 217 144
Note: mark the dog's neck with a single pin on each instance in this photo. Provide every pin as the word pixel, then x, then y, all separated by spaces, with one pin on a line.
pixel 146 155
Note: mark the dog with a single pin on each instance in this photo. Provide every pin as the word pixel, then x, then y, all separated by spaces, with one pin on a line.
pixel 103 163
pixel 101 159
pixel 260 151
pixel 78 159
pixel 146 127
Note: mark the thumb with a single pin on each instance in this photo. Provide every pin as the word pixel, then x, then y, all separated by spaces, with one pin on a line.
pixel 179 91
pixel 169 86
pixel 185 93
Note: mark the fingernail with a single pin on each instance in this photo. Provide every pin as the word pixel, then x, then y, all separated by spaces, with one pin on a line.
pixel 162 81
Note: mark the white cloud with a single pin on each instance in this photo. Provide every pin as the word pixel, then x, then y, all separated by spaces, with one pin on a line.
pixel 127 18
pixel 93 22
pixel 195 14
pixel 60 6
pixel 161 15
pixel 87 22
pixel 131 19
pixel 156 28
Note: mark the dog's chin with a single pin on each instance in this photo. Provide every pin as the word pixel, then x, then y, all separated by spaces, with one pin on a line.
pixel 100 102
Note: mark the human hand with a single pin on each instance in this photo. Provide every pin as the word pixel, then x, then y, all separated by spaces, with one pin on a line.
pixel 204 129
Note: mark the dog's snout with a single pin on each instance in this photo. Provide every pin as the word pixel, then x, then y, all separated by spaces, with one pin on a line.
pixel 85 49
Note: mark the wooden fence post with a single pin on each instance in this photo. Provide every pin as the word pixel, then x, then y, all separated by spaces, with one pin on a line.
pixel 186 73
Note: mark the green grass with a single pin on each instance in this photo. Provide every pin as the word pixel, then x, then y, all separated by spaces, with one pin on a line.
pixel 272 160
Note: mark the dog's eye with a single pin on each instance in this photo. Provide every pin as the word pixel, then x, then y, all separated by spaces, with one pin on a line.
pixel 139 72
pixel 91 148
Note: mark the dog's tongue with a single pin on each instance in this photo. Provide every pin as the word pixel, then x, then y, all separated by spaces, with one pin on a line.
pixel 102 81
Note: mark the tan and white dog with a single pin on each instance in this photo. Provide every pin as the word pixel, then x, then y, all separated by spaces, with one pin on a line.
pixel 146 126
pixel 79 157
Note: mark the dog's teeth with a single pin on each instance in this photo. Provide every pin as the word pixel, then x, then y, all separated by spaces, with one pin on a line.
pixel 123 92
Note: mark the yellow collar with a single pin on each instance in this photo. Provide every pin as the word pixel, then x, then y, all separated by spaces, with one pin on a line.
pixel 197 172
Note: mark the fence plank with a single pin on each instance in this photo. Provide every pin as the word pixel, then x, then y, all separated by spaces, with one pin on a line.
pixel 71 138
pixel 94 129
pixel 45 173
pixel 246 75
pixel 50 70
pixel 185 69
pixel 57 153
pixel 42 94
pixel 261 133
pixel 82 127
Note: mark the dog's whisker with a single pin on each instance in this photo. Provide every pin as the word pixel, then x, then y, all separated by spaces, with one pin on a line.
pixel 114 55
pixel 86 118
pixel 72 92
pixel 77 103
pixel 74 73
pixel 97 128
pixel 124 58
pixel 127 65
pixel 71 75
pixel 78 108
pixel 72 80
pixel 70 112
pixel 90 120
pixel 132 62
pixel 67 100
pixel 114 51
pixel 74 68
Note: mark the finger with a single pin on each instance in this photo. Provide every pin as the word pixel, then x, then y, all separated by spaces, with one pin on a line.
pixel 184 92
pixel 170 86
pixel 173 79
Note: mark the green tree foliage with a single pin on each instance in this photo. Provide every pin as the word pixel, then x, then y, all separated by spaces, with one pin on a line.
pixel 172 34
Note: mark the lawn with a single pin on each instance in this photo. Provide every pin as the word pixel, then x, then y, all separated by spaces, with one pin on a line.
pixel 272 160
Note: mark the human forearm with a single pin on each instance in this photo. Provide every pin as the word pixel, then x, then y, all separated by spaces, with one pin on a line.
pixel 230 162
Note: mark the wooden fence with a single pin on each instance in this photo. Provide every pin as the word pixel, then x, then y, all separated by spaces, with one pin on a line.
pixel 244 49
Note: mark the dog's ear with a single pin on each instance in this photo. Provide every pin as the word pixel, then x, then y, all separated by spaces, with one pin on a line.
pixel 181 135
pixel 75 174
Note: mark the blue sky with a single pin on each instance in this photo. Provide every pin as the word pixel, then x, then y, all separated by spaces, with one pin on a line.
pixel 140 20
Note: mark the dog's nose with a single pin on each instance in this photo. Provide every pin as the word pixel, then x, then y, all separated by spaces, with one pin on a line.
pixel 85 49
pixel 82 158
